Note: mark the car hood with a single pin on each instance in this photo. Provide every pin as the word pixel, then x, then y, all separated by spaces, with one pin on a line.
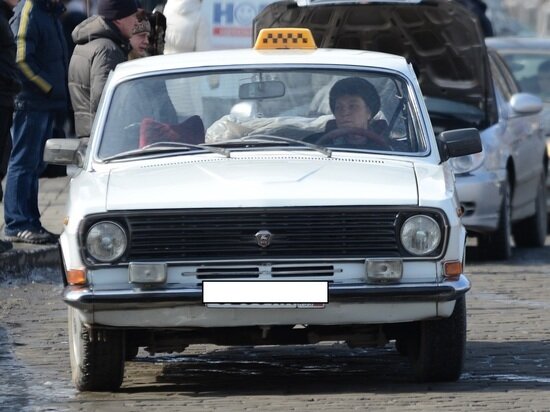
pixel 440 38
pixel 286 181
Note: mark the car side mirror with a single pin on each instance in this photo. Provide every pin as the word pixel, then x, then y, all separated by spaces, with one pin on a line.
pixel 525 103
pixel 65 151
pixel 459 142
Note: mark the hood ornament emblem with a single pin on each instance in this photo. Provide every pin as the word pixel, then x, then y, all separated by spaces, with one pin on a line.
pixel 263 238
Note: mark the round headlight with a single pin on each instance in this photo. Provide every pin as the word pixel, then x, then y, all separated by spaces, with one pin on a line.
pixel 106 241
pixel 420 235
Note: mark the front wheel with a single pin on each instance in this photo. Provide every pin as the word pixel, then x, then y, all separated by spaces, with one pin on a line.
pixel 437 353
pixel 531 232
pixel 498 245
pixel 97 356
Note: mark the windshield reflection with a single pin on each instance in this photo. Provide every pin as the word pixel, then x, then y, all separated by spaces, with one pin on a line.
pixel 311 109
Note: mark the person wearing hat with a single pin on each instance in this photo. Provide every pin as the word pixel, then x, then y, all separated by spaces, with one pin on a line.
pixel 102 42
pixel 140 39
pixel 354 102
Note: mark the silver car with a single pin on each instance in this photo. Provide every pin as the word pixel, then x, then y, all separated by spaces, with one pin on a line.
pixel 465 85
pixel 523 56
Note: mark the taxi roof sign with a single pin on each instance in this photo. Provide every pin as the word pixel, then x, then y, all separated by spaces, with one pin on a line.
pixel 285 38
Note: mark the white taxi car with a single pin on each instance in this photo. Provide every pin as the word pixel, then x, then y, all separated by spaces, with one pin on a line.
pixel 214 204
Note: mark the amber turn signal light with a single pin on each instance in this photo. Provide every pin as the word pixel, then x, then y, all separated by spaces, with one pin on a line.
pixel 76 276
pixel 452 270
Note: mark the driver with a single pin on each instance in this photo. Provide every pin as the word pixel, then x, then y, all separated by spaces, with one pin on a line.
pixel 354 102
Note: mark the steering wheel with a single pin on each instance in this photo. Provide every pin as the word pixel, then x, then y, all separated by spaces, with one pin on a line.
pixel 355 136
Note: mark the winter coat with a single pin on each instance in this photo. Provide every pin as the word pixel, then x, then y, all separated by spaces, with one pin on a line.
pixel 186 29
pixel 41 55
pixel 9 81
pixel 100 46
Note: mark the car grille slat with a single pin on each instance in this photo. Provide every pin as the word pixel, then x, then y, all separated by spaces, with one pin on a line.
pixel 300 232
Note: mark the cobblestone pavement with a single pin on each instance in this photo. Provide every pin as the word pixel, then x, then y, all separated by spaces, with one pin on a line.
pixel 507 367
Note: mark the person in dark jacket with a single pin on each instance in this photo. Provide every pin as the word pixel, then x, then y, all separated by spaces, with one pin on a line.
pixel 479 8
pixel 102 42
pixel 158 28
pixel 9 86
pixel 41 59
pixel 74 15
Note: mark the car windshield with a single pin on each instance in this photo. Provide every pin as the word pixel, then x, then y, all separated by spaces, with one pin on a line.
pixel 292 109
pixel 531 71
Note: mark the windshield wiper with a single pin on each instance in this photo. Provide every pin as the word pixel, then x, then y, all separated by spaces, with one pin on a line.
pixel 166 147
pixel 272 138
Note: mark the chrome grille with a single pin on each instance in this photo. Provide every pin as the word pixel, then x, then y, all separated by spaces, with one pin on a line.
pixel 271 271
pixel 305 232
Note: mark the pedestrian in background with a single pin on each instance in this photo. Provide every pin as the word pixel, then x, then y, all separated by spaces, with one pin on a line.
pixel 186 29
pixel 479 8
pixel 75 14
pixel 41 59
pixel 102 42
pixel 158 30
pixel 9 86
pixel 140 39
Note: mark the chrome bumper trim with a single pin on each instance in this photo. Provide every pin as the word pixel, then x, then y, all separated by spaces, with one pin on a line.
pixel 86 299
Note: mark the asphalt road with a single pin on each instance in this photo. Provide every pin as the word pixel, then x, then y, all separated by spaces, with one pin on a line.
pixel 507 366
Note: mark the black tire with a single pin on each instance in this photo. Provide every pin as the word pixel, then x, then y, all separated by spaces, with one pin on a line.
pixel 401 346
pixel 531 232
pixel 498 245
pixel 131 351
pixel 438 353
pixel 97 357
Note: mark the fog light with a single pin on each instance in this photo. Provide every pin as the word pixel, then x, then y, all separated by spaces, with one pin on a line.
pixel 147 273
pixel 384 271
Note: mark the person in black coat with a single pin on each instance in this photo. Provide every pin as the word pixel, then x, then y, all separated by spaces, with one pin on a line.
pixel 479 8
pixel 9 86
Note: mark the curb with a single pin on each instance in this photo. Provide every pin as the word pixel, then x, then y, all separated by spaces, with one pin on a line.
pixel 29 265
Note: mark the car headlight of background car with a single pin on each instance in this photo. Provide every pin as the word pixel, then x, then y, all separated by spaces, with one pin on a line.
pixel 106 241
pixel 420 235
pixel 467 164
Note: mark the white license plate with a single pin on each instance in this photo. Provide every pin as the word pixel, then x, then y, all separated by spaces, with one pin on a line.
pixel 265 292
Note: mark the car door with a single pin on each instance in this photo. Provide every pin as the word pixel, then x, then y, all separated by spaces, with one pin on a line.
pixel 523 136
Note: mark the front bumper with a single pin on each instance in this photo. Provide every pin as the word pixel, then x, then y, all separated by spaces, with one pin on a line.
pixel 87 299
pixel 480 193
pixel 182 308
